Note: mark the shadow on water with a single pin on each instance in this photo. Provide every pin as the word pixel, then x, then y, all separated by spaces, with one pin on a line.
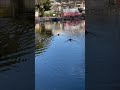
pixel 102 51
pixel 16 54
pixel 59 62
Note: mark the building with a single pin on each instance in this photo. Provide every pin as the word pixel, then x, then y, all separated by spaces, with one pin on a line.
pixel 72 3
pixel 56 6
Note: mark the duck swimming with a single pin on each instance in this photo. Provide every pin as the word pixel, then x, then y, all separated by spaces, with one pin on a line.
pixel 70 39
pixel 86 32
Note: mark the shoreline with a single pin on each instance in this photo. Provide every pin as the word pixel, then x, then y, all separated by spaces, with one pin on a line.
pixel 56 19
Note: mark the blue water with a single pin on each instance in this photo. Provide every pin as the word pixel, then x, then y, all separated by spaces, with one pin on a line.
pixel 60 62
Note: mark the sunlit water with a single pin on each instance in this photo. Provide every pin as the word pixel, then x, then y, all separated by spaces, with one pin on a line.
pixel 60 56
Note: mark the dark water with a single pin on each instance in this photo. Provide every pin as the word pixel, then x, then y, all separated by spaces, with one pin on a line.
pixel 60 56
pixel 102 55
pixel 16 55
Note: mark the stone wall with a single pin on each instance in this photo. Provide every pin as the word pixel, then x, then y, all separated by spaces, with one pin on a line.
pixel 4 7
pixel 90 4
pixel 16 7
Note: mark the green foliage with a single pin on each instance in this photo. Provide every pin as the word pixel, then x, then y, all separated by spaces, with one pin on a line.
pixel 47 5
pixel 37 6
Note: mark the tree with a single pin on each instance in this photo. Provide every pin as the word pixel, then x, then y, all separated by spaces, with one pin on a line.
pixel 47 5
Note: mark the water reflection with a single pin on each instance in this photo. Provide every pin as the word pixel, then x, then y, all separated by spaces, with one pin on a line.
pixel 43 37
pixel 16 54
pixel 59 61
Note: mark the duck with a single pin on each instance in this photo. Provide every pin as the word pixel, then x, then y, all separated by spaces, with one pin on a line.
pixel 86 32
pixel 70 39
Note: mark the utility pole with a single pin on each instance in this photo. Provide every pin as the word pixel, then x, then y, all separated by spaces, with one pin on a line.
pixel 75 3
pixel 69 4
pixel 61 6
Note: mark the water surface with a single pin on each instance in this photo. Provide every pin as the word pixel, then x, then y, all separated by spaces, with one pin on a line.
pixel 16 54
pixel 60 56
pixel 102 58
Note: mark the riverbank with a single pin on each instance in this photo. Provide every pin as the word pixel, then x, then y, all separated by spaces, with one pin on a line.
pixel 55 19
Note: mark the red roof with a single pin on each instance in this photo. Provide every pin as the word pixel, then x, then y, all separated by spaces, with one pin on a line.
pixel 70 14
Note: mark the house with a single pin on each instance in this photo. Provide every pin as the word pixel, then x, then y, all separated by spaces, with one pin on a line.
pixel 56 6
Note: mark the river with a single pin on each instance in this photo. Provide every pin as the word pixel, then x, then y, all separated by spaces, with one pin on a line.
pixel 60 55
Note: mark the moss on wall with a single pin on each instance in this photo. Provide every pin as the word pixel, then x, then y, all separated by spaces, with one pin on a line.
pixel 5 11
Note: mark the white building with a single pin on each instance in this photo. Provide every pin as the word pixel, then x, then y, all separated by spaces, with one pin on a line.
pixel 56 6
